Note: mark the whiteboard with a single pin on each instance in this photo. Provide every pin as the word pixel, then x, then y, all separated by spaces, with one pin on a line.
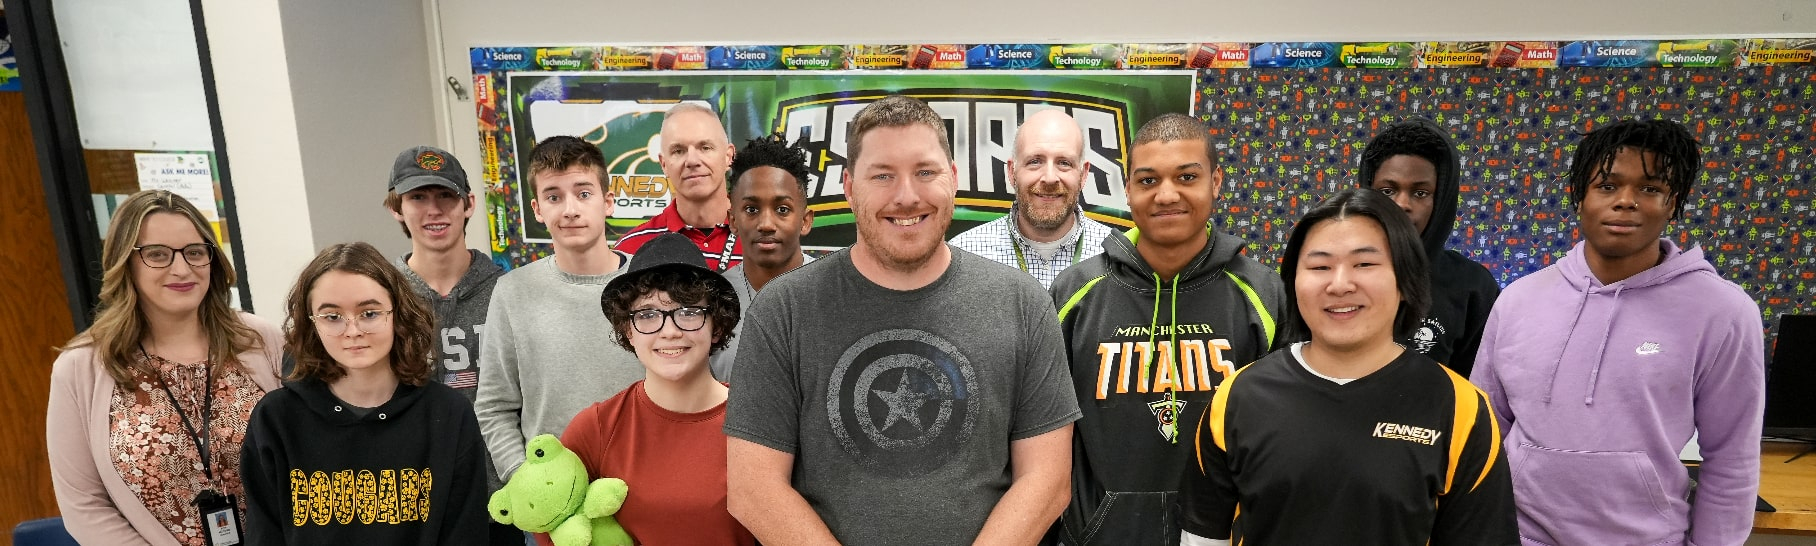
pixel 135 74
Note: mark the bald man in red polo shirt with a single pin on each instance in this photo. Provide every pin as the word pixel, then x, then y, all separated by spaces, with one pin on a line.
pixel 695 155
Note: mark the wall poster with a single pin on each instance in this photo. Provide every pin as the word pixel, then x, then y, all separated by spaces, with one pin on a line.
pixel 1288 118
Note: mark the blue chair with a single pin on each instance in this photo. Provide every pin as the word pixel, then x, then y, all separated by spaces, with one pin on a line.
pixel 42 532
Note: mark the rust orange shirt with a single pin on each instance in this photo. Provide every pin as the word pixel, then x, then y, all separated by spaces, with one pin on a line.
pixel 673 462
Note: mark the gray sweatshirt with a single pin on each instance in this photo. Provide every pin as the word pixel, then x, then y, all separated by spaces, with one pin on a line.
pixel 548 354
pixel 460 317
pixel 722 360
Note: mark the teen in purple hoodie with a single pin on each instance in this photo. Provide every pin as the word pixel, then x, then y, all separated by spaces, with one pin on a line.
pixel 1606 363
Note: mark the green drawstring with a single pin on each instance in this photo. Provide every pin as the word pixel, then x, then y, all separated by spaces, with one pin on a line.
pixel 1147 373
pixel 1173 362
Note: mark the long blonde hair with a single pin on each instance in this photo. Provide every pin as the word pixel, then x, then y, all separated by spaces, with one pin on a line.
pixel 119 324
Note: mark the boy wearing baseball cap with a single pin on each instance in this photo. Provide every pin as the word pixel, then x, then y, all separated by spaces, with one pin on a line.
pixel 429 196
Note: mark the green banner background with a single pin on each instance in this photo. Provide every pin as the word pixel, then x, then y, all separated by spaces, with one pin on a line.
pixel 621 112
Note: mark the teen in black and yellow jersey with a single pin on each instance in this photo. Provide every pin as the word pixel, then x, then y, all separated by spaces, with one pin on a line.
pixel 1349 438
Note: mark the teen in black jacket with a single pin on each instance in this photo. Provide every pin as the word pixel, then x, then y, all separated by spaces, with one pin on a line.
pixel 1414 163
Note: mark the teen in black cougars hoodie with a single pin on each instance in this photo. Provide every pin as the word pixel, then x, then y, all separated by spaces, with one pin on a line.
pixel 1122 324
pixel 408 472
pixel 1462 291
pixel 321 471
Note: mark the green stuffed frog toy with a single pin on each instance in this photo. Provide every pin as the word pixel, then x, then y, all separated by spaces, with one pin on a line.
pixel 550 494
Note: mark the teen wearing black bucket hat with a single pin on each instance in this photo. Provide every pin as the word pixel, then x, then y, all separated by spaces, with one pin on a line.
pixel 662 435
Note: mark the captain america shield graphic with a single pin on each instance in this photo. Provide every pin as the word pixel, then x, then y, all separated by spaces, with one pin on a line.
pixel 902 401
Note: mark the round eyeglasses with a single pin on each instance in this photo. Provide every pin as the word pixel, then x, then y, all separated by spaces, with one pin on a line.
pixel 649 321
pixel 161 256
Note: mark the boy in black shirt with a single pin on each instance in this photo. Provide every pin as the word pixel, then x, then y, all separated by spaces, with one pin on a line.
pixel 1414 163
pixel 1346 437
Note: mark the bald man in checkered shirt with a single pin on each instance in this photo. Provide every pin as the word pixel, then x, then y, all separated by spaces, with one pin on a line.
pixel 1046 231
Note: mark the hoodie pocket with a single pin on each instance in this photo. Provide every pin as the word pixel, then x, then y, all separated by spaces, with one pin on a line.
pixel 1591 497
pixel 1127 518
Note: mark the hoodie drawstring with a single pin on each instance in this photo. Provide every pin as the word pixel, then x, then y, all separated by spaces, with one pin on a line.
pixel 1173 362
pixel 1172 359
pixel 1153 324
pixel 1570 332
pixel 1601 352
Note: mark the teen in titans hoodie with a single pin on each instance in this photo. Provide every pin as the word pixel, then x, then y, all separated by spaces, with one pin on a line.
pixel 1145 353
pixel 1414 163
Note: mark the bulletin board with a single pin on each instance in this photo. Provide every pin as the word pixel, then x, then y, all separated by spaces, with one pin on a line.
pixel 1289 119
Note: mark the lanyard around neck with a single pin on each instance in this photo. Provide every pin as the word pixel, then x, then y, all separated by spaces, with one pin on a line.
pixel 200 438
pixel 1022 261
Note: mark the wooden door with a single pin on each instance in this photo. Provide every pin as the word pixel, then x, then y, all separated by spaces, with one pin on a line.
pixel 34 319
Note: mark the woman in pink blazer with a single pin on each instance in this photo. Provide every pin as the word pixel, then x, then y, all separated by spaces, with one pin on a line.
pixel 149 405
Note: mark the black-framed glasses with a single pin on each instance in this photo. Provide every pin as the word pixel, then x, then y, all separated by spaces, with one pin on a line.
pixel 649 321
pixel 334 324
pixel 161 256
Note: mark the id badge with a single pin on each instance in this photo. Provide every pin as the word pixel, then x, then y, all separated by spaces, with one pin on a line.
pixel 220 518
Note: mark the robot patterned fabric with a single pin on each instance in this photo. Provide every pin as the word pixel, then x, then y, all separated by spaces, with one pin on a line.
pixel 1289 137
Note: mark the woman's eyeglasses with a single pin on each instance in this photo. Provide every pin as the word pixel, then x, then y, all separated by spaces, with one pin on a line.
pixel 161 256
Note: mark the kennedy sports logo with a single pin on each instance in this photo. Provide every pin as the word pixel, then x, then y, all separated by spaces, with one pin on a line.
pixel 1418 435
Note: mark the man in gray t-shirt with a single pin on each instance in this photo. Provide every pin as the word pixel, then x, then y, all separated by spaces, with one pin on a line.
pixel 900 391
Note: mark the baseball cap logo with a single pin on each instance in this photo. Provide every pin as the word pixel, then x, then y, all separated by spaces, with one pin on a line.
pixel 430 160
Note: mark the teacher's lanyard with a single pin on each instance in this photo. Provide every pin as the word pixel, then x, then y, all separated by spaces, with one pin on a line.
pixel 1023 262
pixel 200 439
